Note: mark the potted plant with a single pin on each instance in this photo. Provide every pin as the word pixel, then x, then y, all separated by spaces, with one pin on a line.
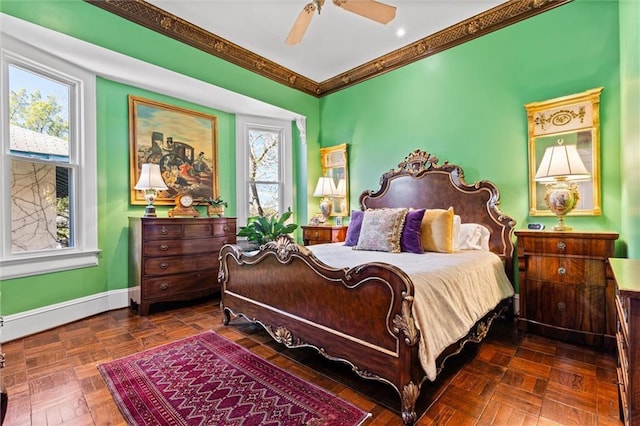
pixel 262 229
pixel 215 206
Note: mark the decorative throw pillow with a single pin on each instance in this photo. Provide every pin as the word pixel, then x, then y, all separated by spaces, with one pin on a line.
pixel 410 239
pixel 437 230
pixel 353 231
pixel 381 230
pixel 457 221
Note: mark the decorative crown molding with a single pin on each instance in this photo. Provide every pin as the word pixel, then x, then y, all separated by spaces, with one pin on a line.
pixel 156 19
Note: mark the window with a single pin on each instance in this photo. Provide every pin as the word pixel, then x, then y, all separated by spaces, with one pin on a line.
pixel 48 178
pixel 264 173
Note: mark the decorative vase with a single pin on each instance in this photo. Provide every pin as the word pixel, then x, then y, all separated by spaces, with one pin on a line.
pixel 215 210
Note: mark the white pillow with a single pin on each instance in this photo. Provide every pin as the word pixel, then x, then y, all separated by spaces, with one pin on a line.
pixel 473 236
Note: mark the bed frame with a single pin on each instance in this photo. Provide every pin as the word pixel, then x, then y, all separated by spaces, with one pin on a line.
pixel 363 316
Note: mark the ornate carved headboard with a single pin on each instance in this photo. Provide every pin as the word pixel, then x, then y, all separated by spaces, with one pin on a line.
pixel 420 182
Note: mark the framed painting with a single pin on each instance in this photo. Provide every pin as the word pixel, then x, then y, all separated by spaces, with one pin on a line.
pixel 184 144
pixel 569 120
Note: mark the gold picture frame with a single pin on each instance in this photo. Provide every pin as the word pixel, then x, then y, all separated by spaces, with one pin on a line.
pixel 573 120
pixel 183 142
pixel 335 164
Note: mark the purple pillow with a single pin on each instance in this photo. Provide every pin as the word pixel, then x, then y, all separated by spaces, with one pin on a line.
pixel 355 224
pixel 410 240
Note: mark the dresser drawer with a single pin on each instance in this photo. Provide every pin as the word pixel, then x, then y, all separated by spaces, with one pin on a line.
pixel 199 229
pixel 162 231
pixel 570 307
pixel 173 285
pixel 227 227
pixel 185 247
pixel 566 246
pixel 180 264
pixel 566 270
pixel 317 234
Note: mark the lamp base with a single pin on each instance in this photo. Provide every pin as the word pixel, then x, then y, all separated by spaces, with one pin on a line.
pixel 325 208
pixel 562 226
pixel 150 211
pixel 561 198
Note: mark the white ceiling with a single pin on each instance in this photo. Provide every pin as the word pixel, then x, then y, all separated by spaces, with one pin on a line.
pixel 335 42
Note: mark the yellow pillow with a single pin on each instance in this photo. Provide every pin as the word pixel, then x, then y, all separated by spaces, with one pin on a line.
pixel 436 230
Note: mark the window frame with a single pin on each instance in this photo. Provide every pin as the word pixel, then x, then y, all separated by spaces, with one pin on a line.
pixel 82 157
pixel 243 124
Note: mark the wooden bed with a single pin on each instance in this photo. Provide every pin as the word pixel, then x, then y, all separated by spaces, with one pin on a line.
pixel 366 317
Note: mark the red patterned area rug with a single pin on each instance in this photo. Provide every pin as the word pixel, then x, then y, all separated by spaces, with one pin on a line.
pixel 208 380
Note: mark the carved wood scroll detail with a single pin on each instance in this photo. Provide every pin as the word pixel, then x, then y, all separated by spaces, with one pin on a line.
pixel 404 323
pixel 284 246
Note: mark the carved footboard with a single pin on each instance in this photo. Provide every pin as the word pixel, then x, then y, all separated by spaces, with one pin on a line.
pixel 360 316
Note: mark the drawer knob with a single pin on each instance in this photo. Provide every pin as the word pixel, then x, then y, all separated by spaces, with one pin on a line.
pixel 164 230
pixel 225 228
pixel 561 306
pixel 561 246
pixel 562 270
pixel 164 247
pixel 164 286
pixel 164 265
pixel 315 235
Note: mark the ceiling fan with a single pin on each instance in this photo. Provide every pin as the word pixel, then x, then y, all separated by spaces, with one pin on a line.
pixel 371 9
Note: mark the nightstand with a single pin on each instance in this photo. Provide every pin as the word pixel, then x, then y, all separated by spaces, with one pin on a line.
pixel 322 234
pixel 567 289
pixel 627 275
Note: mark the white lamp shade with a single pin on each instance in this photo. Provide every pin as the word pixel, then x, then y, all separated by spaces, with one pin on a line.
pixel 341 190
pixel 150 178
pixel 561 161
pixel 326 187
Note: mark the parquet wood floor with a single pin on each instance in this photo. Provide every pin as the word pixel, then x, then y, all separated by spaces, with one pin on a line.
pixel 511 379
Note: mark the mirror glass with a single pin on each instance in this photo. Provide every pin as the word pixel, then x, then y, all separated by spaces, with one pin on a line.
pixel 335 165
pixel 570 120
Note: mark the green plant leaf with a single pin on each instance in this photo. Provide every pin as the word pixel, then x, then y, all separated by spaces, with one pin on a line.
pixel 262 229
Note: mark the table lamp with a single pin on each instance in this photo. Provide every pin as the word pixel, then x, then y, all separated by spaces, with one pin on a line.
pixel 326 188
pixel 150 182
pixel 560 167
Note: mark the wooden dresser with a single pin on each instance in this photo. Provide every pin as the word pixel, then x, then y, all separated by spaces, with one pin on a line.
pixel 627 276
pixel 322 234
pixel 173 259
pixel 566 286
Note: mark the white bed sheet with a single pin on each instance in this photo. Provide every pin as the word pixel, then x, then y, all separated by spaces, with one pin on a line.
pixel 452 291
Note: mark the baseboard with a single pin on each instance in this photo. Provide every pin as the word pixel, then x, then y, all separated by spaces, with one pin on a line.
pixel 41 319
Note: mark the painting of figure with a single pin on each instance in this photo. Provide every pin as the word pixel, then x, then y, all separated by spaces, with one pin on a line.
pixel 182 142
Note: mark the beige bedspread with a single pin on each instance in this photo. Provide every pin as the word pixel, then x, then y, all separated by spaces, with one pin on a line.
pixel 452 291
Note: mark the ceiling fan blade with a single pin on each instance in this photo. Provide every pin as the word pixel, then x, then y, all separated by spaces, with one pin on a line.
pixel 371 9
pixel 300 26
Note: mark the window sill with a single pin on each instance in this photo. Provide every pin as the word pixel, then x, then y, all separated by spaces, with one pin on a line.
pixel 36 265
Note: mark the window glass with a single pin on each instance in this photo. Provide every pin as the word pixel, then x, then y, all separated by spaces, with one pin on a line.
pixel 41 166
pixel 264 171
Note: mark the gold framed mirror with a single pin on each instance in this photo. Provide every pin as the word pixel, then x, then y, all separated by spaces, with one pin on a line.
pixel 570 121
pixel 335 165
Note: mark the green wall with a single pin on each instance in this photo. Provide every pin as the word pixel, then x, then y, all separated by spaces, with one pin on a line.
pixel 630 133
pixel 466 105
pixel 92 24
